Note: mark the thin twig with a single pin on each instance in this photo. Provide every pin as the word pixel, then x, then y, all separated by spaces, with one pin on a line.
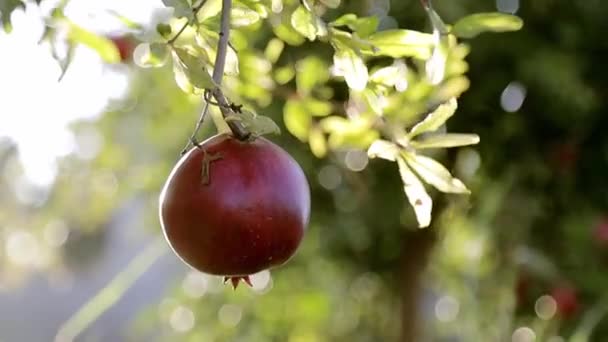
pixel 199 123
pixel 195 11
pixel 218 72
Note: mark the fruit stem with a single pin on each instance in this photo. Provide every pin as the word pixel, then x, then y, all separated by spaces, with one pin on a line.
pixel 218 72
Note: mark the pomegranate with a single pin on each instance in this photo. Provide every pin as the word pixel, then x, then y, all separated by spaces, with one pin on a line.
pixel 600 231
pixel 233 208
pixel 125 47
pixel 567 300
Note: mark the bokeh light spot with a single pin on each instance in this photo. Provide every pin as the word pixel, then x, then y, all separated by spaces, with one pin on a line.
pixel 329 177
pixel 22 248
pixel 545 307
pixel 513 97
pixel 195 284
pixel 56 233
pixel 507 6
pixel 182 319
pixel 523 334
pixel 447 308
pixel 230 315
pixel 356 160
pixel 261 281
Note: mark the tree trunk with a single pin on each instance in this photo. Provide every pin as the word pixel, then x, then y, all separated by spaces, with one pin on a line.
pixel 417 248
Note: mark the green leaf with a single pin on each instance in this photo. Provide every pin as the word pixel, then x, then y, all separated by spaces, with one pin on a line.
pixel 435 119
pixel 416 194
pixel 334 124
pixel 288 34
pixel 152 55
pixel 472 25
pixel 303 21
pixel 182 8
pixel 126 21
pixel 64 62
pixel 350 65
pixel 384 150
pixel 6 9
pixel 296 119
pixel 273 50
pixel 435 174
pixel 258 124
pixel 376 99
pixel 307 23
pixel 317 107
pixel 310 72
pixel 401 43
pixel 317 142
pixel 446 140
pixel 276 6
pixel 193 68
pixel 243 16
pixel 208 41
pixel 210 9
pixel 436 21
pixel 331 3
pixel 362 26
pixel 392 76
pixel 103 46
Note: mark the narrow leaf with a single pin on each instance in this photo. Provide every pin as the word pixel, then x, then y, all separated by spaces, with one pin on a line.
pixel 6 9
pixel 435 119
pixel 472 25
pixel 148 55
pixel 435 174
pixel 416 194
pixel 317 107
pixel 436 65
pixel 103 46
pixel 182 8
pixel 243 16
pixel 350 65
pixel 362 26
pixel 317 142
pixel 303 21
pixel 193 68
pixel 392 76
pixel 331 3
pixel 383 149
pixel 401 43
pixel 259 124
pixel 296 119
pixel 446 140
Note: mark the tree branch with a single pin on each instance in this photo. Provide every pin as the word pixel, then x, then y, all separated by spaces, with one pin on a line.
pixel 218 72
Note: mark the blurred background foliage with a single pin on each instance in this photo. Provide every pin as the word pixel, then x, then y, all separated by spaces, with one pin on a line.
pixel 523 258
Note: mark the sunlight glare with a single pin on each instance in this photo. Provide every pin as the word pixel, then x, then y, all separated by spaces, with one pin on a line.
pixel 36 109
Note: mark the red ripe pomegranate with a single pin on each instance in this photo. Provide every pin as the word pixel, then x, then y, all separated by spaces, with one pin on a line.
pixel 234 208
pixel 125 47
pixel 566 299
pixel 600 231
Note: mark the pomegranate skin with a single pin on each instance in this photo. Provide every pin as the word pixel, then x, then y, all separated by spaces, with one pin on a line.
pixel 249 212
